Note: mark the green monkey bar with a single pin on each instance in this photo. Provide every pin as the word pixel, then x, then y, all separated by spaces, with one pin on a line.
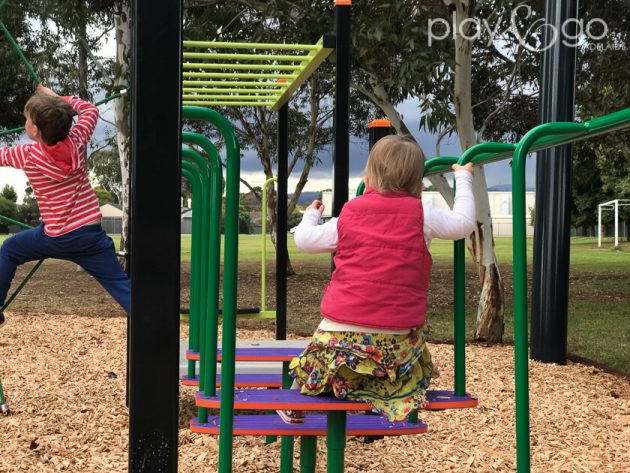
pixel 259 77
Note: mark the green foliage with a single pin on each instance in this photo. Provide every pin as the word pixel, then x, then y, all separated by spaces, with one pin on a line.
pixel 601 167
pixel 294 219
pixel 104 167
pixel 28 212
pixel 7 209
pixel 103 196
pixel 8 192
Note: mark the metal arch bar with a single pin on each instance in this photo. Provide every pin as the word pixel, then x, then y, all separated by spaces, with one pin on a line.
pixel 226 103
pixel 243 97
pixel 521 377
pixel 238 83
pixel 228 90
pixel 229 279
pixel 315 58
pixel 227 75
pixel 226 45
pixel 245 57
pixel 250 67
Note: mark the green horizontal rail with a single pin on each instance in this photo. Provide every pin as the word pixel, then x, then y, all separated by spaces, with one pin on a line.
pixel 238 83
pixel 241 75
pixel 227 90
pixel 255 46
pixel 226 103
pixel 245 97
pixel 244 57
pixel 589 129
pixel 316 57
pixel 241 67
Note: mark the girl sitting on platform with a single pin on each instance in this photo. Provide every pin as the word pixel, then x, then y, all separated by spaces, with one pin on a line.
pixel 370 345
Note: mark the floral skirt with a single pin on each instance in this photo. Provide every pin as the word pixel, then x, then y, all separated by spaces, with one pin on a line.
pixel 389 372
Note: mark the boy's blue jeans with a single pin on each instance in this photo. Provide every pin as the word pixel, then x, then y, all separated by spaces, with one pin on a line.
pixel 88 246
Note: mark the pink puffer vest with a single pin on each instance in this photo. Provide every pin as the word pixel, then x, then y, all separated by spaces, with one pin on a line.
pixel 382 264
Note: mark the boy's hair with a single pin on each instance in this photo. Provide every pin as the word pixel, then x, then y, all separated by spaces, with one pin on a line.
pixel 52 115
pixel 396 163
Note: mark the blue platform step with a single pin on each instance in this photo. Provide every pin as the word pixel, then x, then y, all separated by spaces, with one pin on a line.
pixel 315 425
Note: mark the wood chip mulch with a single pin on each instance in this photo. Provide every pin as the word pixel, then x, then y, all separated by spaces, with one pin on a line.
pixel 64 378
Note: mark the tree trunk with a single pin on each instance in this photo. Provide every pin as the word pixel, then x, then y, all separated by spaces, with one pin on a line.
pixel 122 20
pixel 489 324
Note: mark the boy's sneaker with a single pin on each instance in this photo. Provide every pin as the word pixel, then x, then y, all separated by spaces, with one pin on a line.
pixel 2 319
pixel 292 417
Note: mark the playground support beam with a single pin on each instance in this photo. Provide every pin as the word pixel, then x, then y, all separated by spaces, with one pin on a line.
pixel 281 223
pixel 552 227
pixel 341 151
pixel 154 318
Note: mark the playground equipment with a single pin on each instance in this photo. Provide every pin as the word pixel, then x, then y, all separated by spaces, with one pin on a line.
pixel 155 298
pixel 612 205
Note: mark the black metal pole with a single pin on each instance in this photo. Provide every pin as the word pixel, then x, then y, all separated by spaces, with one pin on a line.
pixel 155 237
pixel 377 129
pixel 341 151
pixel 281 223
pixel 552 226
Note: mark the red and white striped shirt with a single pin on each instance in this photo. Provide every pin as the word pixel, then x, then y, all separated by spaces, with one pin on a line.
pixel 58 174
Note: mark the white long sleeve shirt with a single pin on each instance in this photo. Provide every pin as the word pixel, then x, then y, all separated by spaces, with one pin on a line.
pixel 310 237
pixel 455 224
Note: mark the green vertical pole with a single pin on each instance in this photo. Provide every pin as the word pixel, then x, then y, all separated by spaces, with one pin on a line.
pixel 308 454
pixel 519 235
pixel 229 280
pixel 194 269
pixel 519 250
pixel 3 402
pixel 287 442
pixel 209 341
pixel 263 268
pixel 200 170
pixel 459 253
pixel 459 308
pixel 336 441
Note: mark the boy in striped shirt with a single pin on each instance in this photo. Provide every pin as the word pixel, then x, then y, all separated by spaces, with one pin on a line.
pixel 55 166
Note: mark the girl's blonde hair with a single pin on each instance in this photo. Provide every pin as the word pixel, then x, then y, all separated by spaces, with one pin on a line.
pixel 396 163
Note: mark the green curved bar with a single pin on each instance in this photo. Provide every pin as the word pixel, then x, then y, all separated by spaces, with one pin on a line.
pixel 484 150
pixel 191 173
pixel 205 321
pixel 521 377
pixel 439 162
pixel 199 165
pixel 229 279
pixel 208 336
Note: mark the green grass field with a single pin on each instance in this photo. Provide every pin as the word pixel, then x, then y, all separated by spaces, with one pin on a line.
pixel 599 294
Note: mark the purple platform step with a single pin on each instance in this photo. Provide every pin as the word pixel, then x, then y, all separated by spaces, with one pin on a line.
pixel 257 354
pixel 250 380
pixel 273 399
pixel 357 425
pixel 292 399
pixel 447 400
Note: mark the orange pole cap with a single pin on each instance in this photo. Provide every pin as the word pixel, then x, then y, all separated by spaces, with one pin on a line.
pixel 380 124
pixel 342 2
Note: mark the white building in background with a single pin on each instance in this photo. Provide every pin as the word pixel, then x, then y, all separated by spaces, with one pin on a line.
pixel 500 208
